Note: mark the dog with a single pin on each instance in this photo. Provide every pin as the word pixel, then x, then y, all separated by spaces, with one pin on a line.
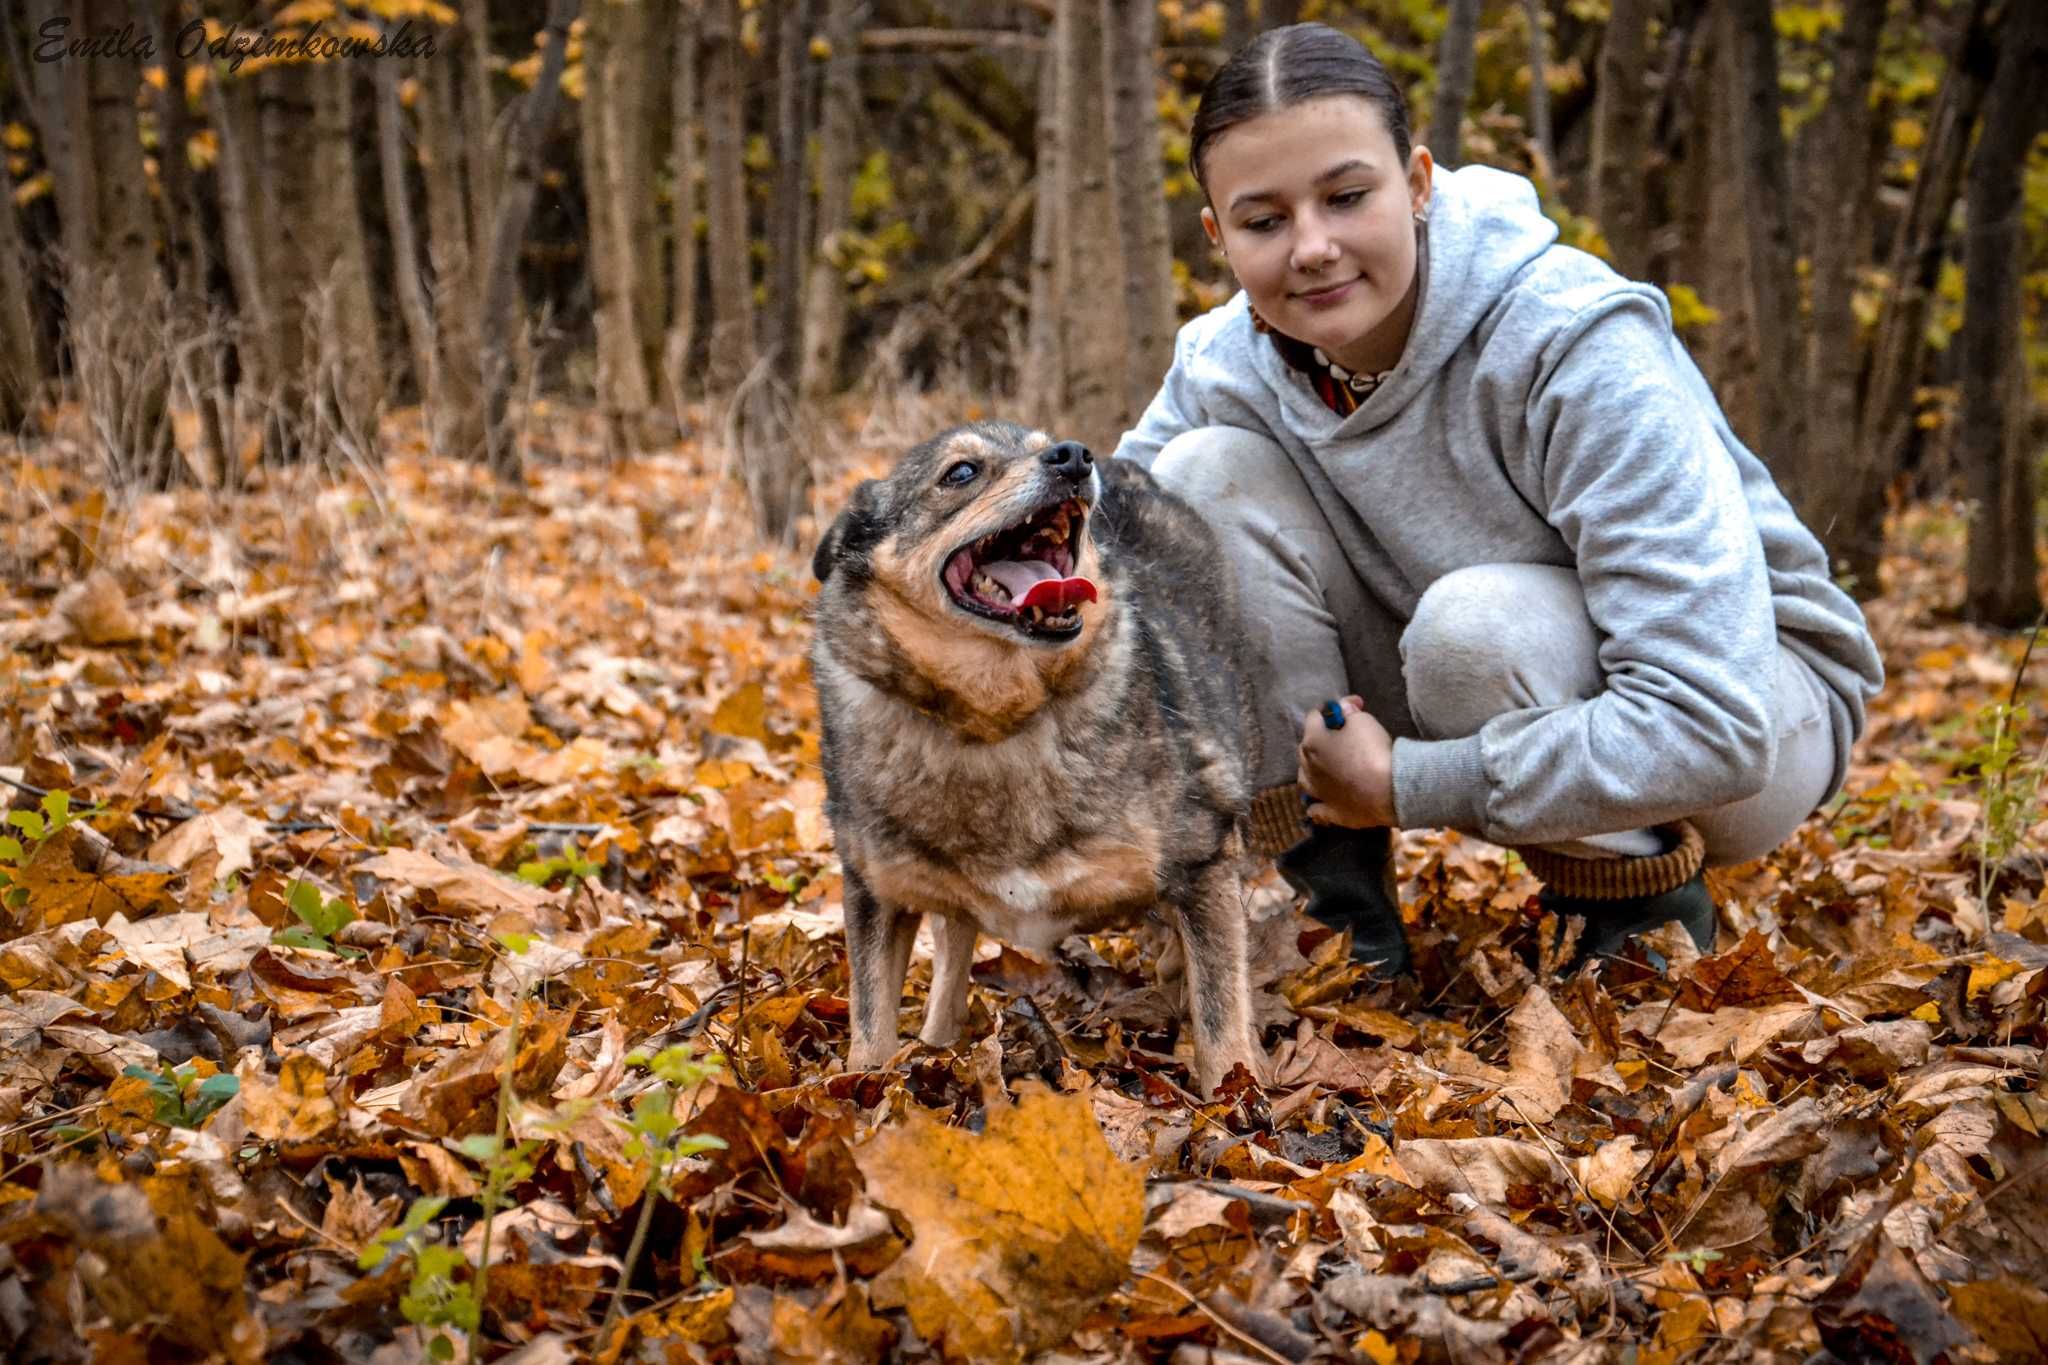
pixel 1035 723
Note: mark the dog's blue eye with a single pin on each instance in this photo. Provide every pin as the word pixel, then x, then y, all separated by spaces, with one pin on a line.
pixel 960 473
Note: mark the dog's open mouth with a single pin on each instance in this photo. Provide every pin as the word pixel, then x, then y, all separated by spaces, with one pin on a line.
pixel 1023 575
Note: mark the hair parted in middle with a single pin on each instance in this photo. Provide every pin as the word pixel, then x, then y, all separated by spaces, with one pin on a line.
pixel 1288 66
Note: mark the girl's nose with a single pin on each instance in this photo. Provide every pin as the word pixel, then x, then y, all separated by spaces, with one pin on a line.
pixel 1313 246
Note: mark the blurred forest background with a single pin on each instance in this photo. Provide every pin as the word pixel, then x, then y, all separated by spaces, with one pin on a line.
pixel 723 214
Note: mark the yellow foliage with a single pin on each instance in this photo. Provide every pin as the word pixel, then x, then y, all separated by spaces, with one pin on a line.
pixel 1688 309
pixel 17 137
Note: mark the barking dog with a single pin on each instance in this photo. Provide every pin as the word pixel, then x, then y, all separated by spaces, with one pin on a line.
pixel 1035 724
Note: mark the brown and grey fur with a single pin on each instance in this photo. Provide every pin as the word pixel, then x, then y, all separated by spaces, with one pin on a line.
pixel 1024 788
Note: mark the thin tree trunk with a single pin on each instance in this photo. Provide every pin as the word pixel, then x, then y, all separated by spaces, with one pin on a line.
pixel 352 356
pixel 1840 202
pixel 612 40
pixel 1454 61
pixel 732 285
pixel 1279 13
pixel 788 238
pixel 1886 425
pixel 1093 328
pixel 478 112
pixel 21 363
pixel 2002 581
pixel 1621 142
pixel 1238 28
pixel 284 103
pixel 825 291
pixel 231 104
pixel 413 303
pixel 1716 238
pixel 1042 381
pixel 1773 253
pixel 521 180
pixel 1131 40
pixel 1539 87
pixel 686 129
pixel 452 251
pixel 113 286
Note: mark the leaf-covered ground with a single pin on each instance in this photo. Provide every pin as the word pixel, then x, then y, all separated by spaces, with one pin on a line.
pixel 408 818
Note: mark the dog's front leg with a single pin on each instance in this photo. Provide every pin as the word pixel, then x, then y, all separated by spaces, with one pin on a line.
pixel 878 939
pixel 945 1009
pixel 1212 932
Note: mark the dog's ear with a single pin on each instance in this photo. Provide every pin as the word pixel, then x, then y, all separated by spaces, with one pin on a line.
pixel 855 531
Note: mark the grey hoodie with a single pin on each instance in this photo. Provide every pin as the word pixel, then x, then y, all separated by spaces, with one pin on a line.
pixel 1544 412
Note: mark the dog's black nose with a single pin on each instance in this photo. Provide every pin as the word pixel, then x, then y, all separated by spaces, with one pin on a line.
pixel 1070 460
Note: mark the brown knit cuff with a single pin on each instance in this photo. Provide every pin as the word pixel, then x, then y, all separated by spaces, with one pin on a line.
pixel 1277 821
pixel 1606 879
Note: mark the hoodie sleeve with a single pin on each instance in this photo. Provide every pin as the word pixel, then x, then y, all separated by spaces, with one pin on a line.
pixel 1176 408
pixel 1632 475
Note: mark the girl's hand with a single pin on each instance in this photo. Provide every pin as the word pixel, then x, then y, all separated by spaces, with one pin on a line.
pixel 1349 773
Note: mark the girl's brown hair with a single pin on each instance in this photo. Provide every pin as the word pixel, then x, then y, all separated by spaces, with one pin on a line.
pixel 1287 66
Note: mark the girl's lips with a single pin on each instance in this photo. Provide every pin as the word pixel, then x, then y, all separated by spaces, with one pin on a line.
pixel 1323 298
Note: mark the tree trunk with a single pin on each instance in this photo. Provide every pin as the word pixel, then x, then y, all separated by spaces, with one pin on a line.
pixel 1714 240
pixel 114 294
pixel 232 105
pixel 496 312
pixel 413 304
pixel 788 229
pixel 727 245
pixel 1454 62
pixel 1279 13
pixel 1621 143
pixel 451 249
pixel 21 364
pixel 1539 89
pixel 1886 426
pixel 1238 28
pixel 825 292
pixel 1093 328
pixel 612 42
pixel 1840 199
pixel 1773 254
pixel 479 111
pixel 351 363
pixel 2002 586
pixel 1131 39
pixel 684 162
pixel 284 105
pixel 1042 383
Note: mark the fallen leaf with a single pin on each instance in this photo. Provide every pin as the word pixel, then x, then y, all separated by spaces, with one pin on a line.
pixel 1016 1232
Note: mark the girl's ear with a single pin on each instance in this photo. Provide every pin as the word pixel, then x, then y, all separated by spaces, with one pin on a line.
pixel 1421 169
pixel 1209 228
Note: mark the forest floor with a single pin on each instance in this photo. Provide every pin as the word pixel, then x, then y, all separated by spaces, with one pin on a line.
pixel 394 799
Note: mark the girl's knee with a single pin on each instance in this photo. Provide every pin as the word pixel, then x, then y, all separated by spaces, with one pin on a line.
pixel 1497 637
pixel 1211 466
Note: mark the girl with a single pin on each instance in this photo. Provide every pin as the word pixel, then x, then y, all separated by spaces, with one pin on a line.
pixel 1472 484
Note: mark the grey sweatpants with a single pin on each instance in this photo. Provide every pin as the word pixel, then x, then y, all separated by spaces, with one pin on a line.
pixel 1483 641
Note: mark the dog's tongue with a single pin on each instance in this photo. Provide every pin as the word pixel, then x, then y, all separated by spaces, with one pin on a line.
pixel 1035 583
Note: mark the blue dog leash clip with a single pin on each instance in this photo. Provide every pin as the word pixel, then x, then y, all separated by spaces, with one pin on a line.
pixel 1333 715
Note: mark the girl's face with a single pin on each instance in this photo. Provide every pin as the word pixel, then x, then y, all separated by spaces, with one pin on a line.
pixel 1316 216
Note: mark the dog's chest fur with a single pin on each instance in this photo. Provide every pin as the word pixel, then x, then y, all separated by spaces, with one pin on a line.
pixel 1022 836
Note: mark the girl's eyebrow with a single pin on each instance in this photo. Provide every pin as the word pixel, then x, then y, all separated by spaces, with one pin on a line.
pixel 1336 172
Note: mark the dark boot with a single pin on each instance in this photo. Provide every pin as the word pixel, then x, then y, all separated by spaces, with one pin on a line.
pixel 1623 897
pixel 1348 877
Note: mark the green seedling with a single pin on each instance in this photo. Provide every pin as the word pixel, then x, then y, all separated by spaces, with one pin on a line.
pixel 659 1145
pixel 168 1089
pixel 435 1298
pixel 569 863
pixel 319 920
pixel 53 814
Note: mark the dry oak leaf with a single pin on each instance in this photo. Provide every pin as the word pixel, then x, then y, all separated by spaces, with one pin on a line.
pixel 1487 1168
pixel 1693 1038
pixel 228 832
pixel 1017 1232
pixel 462 888
pixel 1543 1055
pixel 77 876
pixel 294 1108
